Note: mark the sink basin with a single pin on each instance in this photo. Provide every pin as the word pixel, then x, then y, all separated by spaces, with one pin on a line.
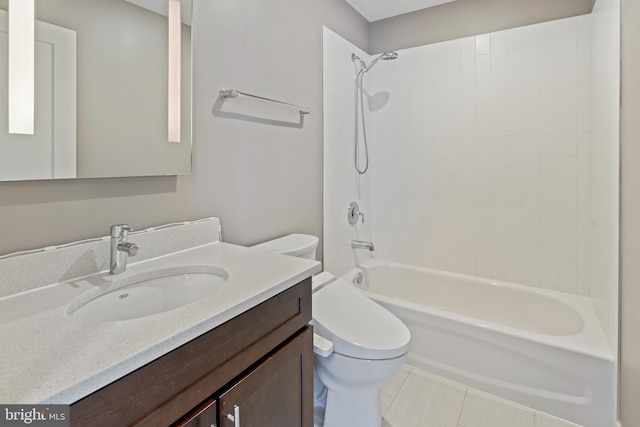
pixel 145 297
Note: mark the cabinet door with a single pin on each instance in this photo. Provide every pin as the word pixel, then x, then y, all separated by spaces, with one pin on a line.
pixel 205 415
pixel 277 393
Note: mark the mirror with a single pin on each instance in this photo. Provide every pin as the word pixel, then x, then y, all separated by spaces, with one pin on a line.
pixel 101 92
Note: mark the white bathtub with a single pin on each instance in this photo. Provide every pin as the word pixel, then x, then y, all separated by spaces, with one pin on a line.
pixel 543 349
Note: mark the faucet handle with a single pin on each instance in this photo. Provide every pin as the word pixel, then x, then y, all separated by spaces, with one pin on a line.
pixel 130 249
pixel 353 212
pixel 120 229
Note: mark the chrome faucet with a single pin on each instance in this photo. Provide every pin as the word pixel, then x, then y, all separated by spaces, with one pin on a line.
pixel 359 244
pixel 121 249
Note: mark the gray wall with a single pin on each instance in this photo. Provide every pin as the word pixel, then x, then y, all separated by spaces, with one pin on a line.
pixel 261 180
pixel 463 18
pixel 630 218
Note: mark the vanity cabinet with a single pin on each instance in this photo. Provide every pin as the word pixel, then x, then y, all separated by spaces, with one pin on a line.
pixel 204 416
pixel 261 362
pixel 269 396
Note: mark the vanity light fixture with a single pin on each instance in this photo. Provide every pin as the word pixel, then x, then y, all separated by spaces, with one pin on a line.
pixel 21 66
pixel 175 65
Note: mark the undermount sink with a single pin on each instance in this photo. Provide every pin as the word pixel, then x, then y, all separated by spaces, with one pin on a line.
pixel 140 296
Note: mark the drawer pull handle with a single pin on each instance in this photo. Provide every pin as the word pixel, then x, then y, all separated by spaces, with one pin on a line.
pixel 235 418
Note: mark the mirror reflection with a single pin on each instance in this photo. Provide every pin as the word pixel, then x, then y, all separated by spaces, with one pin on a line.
pixel 101 92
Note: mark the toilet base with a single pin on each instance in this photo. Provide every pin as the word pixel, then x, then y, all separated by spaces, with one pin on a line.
pixel 352 398
pixel 354 408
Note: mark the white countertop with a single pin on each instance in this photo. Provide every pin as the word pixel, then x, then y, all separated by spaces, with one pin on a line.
pixel 48 357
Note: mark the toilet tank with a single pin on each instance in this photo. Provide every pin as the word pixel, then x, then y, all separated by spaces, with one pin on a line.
pixel 298 245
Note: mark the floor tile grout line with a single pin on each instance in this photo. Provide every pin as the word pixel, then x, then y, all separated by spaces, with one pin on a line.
pixel 393 399
pixel 565 423
pixel 466 393
pixel 395 396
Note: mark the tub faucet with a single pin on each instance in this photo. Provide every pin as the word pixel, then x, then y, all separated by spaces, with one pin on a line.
pixel 121 249
pixel 359 244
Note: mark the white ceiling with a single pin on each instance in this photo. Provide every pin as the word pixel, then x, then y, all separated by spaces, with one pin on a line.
pixel 375 10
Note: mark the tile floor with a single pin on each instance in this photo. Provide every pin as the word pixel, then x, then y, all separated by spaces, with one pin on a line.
pixel 415 398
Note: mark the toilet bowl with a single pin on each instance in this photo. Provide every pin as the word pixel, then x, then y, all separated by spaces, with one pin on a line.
pixel 369 345
pixel 357 344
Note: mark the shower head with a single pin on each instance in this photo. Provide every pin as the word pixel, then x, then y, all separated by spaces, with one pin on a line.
pixel 387 56
pixel 356 58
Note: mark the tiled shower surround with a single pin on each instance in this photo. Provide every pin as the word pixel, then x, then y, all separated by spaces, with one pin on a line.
pixel 487 161
pixel 494 156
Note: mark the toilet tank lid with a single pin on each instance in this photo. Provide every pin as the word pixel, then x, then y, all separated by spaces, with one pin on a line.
pixel 292 244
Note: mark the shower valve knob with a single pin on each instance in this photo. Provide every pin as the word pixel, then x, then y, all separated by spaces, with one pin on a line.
pixel 353 212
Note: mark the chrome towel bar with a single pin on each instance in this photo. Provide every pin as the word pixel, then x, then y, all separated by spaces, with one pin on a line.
pixel 233 93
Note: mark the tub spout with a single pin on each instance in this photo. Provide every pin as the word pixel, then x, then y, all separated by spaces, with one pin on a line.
pixel 359 244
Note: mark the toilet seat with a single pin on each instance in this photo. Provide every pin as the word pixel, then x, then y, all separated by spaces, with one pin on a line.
pixel 358 327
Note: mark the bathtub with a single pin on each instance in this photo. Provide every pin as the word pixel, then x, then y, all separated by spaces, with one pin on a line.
pixel 543 349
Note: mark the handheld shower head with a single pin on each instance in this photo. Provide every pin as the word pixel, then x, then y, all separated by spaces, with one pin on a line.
pixel 387 56
pixel 356 58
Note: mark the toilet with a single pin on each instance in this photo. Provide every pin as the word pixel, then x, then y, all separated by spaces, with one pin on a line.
pixel 357 344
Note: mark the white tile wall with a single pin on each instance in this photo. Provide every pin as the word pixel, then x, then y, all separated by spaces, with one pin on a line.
pixel 494 155
pixel 496 187
pixel 341 184
pixel 604 169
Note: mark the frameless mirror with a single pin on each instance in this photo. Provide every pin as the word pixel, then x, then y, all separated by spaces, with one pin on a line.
pixel 101 92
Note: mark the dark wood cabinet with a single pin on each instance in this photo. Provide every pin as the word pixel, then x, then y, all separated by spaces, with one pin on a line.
pixel 273 394
pixel 206 415
pixel 260 361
